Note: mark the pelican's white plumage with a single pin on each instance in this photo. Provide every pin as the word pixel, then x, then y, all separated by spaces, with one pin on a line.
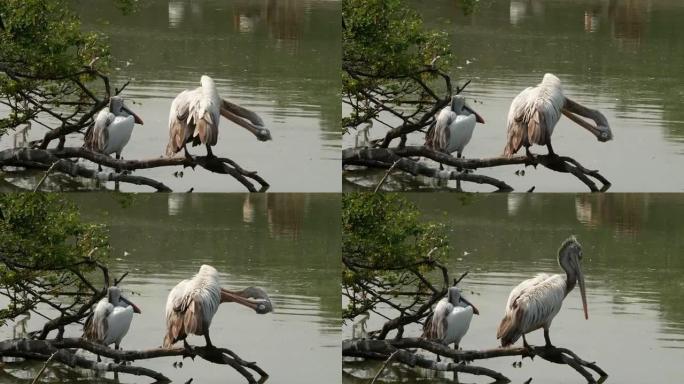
pixel 111 319
pixel 535 302
pixel 453 127
pixel 192 304
pixel 535 111
pixel 112 128
pixel 450 319
pixel 194 117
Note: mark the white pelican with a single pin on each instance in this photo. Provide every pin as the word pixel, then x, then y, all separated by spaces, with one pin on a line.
pixel 110 319
pixel 453 127
pixel 536 110
pixel 451 319
pixel 535 302
pixel 193 303
pixel 194 118
pixel 113 127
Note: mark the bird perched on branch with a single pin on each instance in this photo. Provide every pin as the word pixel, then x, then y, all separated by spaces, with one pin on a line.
pixel 110 320
pixel 112 128
pixel 194 118
pixel 450 319
pixel 453 127
pixel 535 112
pixel 535 302
pixel 192 304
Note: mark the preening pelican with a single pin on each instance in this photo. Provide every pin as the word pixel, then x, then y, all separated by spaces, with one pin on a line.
pixel 110 319
pixel 450 319
pixel 535 112
pixel 193 303
pixel 535 302
pixel 194 118
pixel 453 127
pixel 112 129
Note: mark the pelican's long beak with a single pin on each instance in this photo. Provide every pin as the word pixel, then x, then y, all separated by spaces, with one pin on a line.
pixel 478 118
pixel 135 307
pixel 246 119
pixel 475 311
pixel 137 118
pixel 601 130
pixel 583 293
pixel 261 305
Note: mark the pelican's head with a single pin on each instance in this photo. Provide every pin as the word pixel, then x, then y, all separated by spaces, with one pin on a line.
pixel 459 105
pixel 115 299
pixel 457 300
pixel 569 258
pixel 207 82
pixel 118 107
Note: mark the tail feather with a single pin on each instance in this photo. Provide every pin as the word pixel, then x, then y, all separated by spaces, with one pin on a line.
pixel 508 332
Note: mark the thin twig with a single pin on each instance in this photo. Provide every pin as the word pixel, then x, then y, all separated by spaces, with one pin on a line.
pixel 385 176
pixel 42 180
pixel 40 373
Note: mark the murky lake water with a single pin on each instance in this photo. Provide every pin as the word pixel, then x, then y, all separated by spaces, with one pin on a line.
pixel 633 249
pixel 624 58
pixel 288 244
pixel 278 58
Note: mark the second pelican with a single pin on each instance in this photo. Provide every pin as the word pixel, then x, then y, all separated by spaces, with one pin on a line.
pixel 194 118
pixel 192 304
pixel 535 112
pixel 535 302
pixel 111 319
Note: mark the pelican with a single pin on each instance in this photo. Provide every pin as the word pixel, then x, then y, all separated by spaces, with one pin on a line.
pixel 193 303
pixel 111 318
pixel 535 112
pixel 451 319
pixel 453 127
pixel 113 127
pixel 194 118
pixel 535 302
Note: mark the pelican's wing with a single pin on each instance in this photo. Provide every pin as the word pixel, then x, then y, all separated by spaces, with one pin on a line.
pixel 179 131
pixel 96 325
pixel 435 329
pixel 176 305
pixel 518 117
pixel 96 138
pixel 439 140
pixel 527 307
pixel 206 115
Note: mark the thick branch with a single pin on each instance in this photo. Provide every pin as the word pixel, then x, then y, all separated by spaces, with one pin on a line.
pixel 379 349
pixel 43 349
pixel 378 157
pixel 42 159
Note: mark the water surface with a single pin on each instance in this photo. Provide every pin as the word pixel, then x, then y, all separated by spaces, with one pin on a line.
pixel 634 271
pixel 278 58
pixel 286 243
pixel 622 57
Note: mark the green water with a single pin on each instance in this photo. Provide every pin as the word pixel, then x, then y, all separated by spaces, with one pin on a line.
pixel 279 58
pixel 632 247
pixel 622 57
pixel 288 244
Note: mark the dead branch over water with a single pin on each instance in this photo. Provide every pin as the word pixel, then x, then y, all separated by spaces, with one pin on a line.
pixel 404 158
pixel 65 352
pixel 404 351
pixel 60 159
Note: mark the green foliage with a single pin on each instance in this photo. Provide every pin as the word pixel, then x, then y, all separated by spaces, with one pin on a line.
pixel 44 246
pixel 386 50
pixel 43 55
pixel 383 238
